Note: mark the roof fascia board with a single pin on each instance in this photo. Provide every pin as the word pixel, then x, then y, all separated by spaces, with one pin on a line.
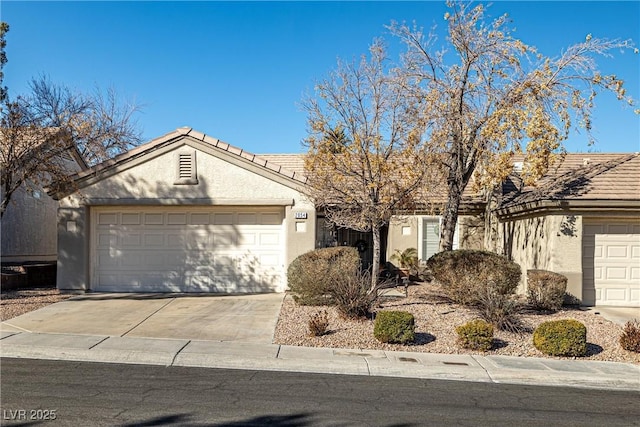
pixel 555 206
pixel 181 201
pixel 246 161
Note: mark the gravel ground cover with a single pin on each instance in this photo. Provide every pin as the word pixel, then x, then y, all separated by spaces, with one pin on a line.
pixel 15 303
pixel 436 320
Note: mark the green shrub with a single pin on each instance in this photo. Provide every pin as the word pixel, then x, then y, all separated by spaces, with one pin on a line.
pixel 464 274
pixel 394 327
pixel 545 289
pixel 311 275
pixel 566 337
pixel 630 338
pixel 351 296
pixel 318 323
pixel 475 335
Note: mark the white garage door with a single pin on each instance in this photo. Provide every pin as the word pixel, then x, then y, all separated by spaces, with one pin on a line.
pixel 611 263
pixel 153 249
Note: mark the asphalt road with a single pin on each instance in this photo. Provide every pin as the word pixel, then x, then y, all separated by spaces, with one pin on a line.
pixel 95 394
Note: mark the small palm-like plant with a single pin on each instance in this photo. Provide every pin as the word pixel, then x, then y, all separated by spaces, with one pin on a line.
pixel 408 259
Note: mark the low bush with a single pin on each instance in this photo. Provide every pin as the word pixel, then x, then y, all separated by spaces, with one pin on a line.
pixel 394 327
pixel 566 337
pixel 475 335
pixel 630 338
pixel 318 323
pixel 311 275
pixel 545 290
pixel 463 274
pixel 351 296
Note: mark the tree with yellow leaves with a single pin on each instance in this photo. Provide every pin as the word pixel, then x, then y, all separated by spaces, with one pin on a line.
pixel 492 96
pixel 365 157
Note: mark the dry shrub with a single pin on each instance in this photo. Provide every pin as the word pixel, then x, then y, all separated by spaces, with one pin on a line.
pixel 545 290
pixel 466 274
pixel 503 311
pixel 311 275
pixel 318 323
pixel 630 338
pixel 351 294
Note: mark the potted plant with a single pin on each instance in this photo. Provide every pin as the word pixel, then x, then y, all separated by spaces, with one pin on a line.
pixel 407 259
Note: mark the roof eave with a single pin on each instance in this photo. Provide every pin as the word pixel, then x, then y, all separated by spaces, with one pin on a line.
pixel 550 206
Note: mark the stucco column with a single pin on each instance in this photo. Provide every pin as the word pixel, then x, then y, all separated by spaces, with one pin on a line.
pixel 73 238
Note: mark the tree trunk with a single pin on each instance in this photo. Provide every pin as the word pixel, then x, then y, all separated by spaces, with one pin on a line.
pixel 375 266
pixel 450 215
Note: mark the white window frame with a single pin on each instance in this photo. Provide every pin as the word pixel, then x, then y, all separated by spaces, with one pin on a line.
pixel 421 219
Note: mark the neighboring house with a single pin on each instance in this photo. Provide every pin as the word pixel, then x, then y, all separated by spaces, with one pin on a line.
pixel 28 230
pixel 189 213
pixel 581 220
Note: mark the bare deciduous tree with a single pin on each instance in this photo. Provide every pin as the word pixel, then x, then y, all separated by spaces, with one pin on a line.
pixel 365 156
pixel 40 132
pixel 492 96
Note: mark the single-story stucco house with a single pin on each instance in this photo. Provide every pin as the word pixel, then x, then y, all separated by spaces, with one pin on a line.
pixel 189 213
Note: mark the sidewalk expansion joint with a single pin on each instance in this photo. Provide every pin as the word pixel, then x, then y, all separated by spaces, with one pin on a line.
pixel 483 368
pixel 278 352
pixel 175 356
pixel 148 317
pixel 18 327
pixel 99 342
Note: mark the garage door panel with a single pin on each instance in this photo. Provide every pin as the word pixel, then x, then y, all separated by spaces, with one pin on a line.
pixel 611 263
pixel 187 250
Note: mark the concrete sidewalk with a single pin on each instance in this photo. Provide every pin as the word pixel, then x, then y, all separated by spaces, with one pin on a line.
pixel 273 357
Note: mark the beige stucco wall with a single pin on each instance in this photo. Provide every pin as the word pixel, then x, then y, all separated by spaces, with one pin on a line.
pixel 403 234
pixel 549 242
pixel 471 232
pixel 223 179
pixel 28 227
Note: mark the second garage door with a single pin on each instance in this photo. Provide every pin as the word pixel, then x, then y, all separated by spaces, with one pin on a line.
pixel 611 263
pixel 187 249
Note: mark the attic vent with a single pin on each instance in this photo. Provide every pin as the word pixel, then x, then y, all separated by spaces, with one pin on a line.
pixel 517 166
pixel 186 168
pixel 586 161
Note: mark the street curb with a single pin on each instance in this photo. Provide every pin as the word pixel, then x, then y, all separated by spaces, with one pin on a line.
pixel 274 357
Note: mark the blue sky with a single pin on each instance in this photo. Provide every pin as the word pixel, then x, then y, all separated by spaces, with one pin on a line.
pixel 238 70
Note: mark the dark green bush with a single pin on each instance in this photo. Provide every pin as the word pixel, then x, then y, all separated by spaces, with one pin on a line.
pixel 466 274
pixel 318 323
pixel 394 327
pixel 545 289
pixel 566 337
pixel 351 296
pixel 311 275
pixel 475 335
pixel 630 338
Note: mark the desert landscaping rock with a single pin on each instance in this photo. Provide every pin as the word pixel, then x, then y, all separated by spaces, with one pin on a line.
pixel 16 303
pixel 436 320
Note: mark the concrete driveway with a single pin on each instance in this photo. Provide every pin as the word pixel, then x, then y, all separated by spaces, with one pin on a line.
pixel 241 318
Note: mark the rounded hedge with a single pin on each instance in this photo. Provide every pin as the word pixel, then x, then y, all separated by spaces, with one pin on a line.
pixel 566 337
pixel 475 335
pixel 394 327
